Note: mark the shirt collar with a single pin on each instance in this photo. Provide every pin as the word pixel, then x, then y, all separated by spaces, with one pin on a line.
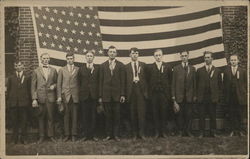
pixel 113 61
pixel 158 63
pixel 21 73
pixel 234 67
pixel 183 64
pixel 89 64
pixel 132 62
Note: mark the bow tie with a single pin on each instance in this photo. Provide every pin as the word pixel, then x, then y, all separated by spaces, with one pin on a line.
pixel 45 66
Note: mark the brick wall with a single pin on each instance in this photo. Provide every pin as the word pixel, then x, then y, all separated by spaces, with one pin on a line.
pixel 27 45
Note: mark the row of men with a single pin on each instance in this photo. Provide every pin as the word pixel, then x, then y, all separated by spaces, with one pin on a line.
pixel 113 83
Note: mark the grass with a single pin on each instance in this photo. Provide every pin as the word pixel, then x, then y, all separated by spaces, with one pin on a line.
pixel 169 146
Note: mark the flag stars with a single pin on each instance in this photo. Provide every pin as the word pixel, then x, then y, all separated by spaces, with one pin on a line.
pixel 55 37
pixel 37 15
pixel 95 17
pixel 44 43
pixel 55 11
pixel 42 25
pixel 60 46
pixel 75 48
pixel 47 35
pixel 100 52
pixel 63 12
pixel 90 8
pixel 98 34
pixel 93 25
pixel 57 28
pixel 76 23
pixel 52 19
pixel 88 16
pixel 73 31
pixel 52 45
pixel 68 48
pixel 47 9
pixel 87 42
pixel 90 33
pixel 40 34
pixel 65 30
pixel 68 22
pixel 81 32
pixel 71 40
pixel 44 17
pixel 84 24
pixel 39 7
pixel 63 38
pixel 79 41
pixel 50 27
pixel 79 15
pixel 60 20
pixel 96 43
pixel 71 14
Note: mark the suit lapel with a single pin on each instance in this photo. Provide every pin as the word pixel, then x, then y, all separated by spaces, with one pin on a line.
pixel 42 73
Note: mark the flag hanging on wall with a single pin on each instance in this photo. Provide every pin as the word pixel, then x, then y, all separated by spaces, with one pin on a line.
pixel 59 30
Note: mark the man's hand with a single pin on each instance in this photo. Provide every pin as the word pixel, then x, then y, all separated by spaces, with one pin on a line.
pixel 52 87
pixel 176 107
pixel 122 99
pixel 34 103
pixel 100 100
pixel 59 101
pixel 195 99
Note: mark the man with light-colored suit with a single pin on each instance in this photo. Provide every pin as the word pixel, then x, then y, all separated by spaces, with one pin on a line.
pixel 68 94
pixel 183 93
pixel 43 91
pixel 235 84
pixel 136 93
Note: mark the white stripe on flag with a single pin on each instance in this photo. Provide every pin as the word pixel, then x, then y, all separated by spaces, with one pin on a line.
pixel 148 59
pixel 163 43
pixel 160 27
pixel 152 14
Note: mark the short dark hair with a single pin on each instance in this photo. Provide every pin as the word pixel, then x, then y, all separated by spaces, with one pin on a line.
pixel 135 49
pixel 45 53
pixel 208 52
pixel 111 47
pixel 91 51
pixel 234 55
pixel 156 50
pixel 69 54
pixel 184 51
pixel 17 62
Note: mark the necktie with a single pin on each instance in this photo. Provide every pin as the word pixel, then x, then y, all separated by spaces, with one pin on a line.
pixel 208 69
pixel 136 71
pixel 234 70
pixel 111 67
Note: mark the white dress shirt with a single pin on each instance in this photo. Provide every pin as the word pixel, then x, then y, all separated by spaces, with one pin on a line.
pixel 135 78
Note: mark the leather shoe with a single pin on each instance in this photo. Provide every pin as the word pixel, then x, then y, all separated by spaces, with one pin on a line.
pixel 117 138
pixel 73 139
pixel 66 139
pixel 241 134
pixel 232 134
pixel 164 135
pixel 53 139
pixel 107 138
pixel 41 140
pixel 95 139
pixel 143 137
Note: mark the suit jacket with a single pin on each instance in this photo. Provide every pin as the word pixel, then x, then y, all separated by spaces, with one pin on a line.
pixel 178 83
pixel 213 79
pixel 159 80
pixel 40 86
pixel 89 82
pixel 241 84
pixel 18 91
pixel 129 79
pixel 112 86
pixel 68 84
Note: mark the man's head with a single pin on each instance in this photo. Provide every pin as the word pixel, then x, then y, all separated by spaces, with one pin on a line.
pixel 90 55
pixel 45 58
pixel 184 56
pixel 208 57
pixel 18 65
pixel 134 54
pixel 112 52
pixel 70 58
pixel 158 55
pixel 234 60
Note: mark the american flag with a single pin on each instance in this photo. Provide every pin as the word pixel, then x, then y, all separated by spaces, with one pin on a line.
pixel 77 29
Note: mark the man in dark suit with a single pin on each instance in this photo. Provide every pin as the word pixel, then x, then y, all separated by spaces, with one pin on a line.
pixel 68 93
pixel 43 91
pixel 136 93
pixel 89 86
pixel 159 87
pixel 183 93
pixel 18 101
pixel 112 92
pixel 235 84
pixel 208 84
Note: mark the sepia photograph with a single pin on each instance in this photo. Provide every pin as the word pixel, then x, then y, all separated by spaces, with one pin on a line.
pixel 154 78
